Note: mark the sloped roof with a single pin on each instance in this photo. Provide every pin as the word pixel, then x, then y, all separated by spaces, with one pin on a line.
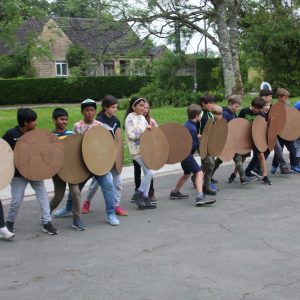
pixel 113 37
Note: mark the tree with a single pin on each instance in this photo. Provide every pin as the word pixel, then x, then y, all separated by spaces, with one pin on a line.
pixel 222 16
pixel 271 42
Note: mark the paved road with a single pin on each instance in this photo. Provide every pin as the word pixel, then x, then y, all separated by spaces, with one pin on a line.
pixel 246 246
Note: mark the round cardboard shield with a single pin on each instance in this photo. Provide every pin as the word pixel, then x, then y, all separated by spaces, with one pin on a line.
pixel 120 150
pixel 278 112
pixel 180 142
pixel 260 133
pixel 73 170
pixel 229 149
pixel 291 130
pixel 154 148
pixel 241 131
pixel 7 165
pixel 99 150
pixel 217 138
pixel 38 155
pixel 272 133
pixel 204 138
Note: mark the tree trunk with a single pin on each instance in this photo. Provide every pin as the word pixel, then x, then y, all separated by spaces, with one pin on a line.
pixel 234 46
pixel 224 47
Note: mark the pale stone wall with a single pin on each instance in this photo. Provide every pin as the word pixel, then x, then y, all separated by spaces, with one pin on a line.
pixel 59 44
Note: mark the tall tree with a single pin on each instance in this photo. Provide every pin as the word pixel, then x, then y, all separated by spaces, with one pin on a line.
pixel 222 16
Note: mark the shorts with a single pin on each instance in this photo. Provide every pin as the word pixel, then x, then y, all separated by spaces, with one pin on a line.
pixel 190 165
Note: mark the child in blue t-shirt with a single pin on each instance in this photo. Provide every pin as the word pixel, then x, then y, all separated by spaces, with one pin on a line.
pixel 190 165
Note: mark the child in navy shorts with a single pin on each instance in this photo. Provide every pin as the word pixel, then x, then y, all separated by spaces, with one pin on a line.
pixel 190 165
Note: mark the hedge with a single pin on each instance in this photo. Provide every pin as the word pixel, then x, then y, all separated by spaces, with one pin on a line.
pixel 62 90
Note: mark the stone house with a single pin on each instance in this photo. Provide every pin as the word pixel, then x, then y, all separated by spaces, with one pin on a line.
pixel 113 46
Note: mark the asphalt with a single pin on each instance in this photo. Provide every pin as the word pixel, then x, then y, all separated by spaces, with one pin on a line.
pixel 246 246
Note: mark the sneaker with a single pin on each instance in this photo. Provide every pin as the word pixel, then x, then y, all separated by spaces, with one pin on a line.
pixel 120 211
pixel 77 224
pixel 208 191
pixel 6 234
pixel 201 200
pixel 285 170
pixel 274 170
pixel 49 228
pixel 177 195
pixel 257 173
pixel 267 181
pixel 295 169
pixel 248 179
pixel 139 200
pixel 10 226
pixel 231 178
pixel 112 220
pixel 85 207
pixel 148 204
pixel 153 199
pixel 62 212
pixel 214 180
pixel 213 187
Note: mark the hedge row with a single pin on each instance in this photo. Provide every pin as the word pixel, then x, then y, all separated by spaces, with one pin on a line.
pixel 62 90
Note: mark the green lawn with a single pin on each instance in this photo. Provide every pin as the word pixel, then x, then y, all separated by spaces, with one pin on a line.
pixel 162 115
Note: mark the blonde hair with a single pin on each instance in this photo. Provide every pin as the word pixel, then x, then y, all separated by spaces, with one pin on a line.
pixel 217 110
pixel 233 99
pixel 282 92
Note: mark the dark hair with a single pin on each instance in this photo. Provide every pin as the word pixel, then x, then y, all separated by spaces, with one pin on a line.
pixel 258 103
pixel 88 103
pixel 265 92
pixel 193 111
pixel 133 102
pixel 207 98
pixel 108 101
pixel 59 112
pixel 25 115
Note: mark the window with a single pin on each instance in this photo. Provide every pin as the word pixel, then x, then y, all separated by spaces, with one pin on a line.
pixel 124 67
pixel 61 68
pixel 109 67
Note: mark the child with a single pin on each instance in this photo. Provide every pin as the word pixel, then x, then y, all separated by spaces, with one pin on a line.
pixel 26 122
pixel 137 168
pixel 229 113
pixel 88 110
pixel 249 114
pixel 189 165
pixel 60 119
pixel 266 95
pixel 108 117
pixel 283 96
pixel 217 112
pixel 135 124
pixel 297 142
pixel 207 103
pixel 4 232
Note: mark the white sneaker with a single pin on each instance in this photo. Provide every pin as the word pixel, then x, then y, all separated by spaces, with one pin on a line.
pixel 5 233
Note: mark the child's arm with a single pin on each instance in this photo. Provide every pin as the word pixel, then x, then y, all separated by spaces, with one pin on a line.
pixel 133 131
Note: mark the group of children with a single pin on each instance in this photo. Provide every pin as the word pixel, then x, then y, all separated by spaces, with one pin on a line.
pixel 137 120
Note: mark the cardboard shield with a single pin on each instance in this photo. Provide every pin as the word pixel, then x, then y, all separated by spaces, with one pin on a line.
pixel 154 148
pixel 7 165
pixel 120 150
pixel 278 112
pixel 38 155
pixel 99 150
pixel 73 170
pixel 180 142
pixel 229 149
pixel 204 138
pixel 272 133
pixel 260 133
pixel 217 138
pixel 242 134
pixel 291 130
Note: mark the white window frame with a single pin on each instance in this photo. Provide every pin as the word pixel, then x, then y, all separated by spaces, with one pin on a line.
pixel 61 63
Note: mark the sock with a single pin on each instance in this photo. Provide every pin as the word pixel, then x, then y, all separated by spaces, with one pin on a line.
pixel 199 194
